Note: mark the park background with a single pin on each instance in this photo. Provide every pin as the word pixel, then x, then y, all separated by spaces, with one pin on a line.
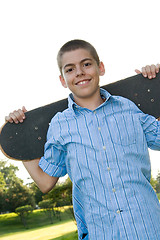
pixel 125 34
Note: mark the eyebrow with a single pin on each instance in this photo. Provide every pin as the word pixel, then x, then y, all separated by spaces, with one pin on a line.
pixel 72 64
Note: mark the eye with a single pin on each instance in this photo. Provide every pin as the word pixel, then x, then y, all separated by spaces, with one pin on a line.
pixel 69 70
pixel 87 64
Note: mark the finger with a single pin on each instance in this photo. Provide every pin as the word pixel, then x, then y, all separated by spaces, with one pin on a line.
pixel 137 71
pixel 19 114
pixel 12 117
pixel 153 71
pixel 8 119
pixel 144 72
pixel 157 68
pixel 148 71
pixel 24 109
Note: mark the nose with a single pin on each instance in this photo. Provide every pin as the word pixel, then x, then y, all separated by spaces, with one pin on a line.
pixel 79 71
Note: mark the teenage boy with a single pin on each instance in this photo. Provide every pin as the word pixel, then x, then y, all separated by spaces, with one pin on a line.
pixel 102 142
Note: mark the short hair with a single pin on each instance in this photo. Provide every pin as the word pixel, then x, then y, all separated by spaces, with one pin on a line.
pixel 74 45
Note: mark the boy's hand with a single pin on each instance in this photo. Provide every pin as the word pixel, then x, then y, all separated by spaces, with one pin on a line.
pixel 149 71
pixel 16 116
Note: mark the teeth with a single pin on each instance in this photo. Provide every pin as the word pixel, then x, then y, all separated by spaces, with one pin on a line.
pixel 83 82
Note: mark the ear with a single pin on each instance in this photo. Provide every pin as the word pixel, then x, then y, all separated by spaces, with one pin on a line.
pixel 63 82
pixel 101 69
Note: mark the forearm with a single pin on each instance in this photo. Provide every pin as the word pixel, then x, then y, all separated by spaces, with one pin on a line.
pixel 42 179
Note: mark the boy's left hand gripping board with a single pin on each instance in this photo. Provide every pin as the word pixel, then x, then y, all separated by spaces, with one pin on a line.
pixel 25 141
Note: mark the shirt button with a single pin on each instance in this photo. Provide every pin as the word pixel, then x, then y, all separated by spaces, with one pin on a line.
pixel 108 169
pixel 113 189
pixel 99 128
pixel 118 211
pixel 104 147
pixel 95 112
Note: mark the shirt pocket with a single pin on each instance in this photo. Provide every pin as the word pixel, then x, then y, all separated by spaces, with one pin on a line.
pixel 122 129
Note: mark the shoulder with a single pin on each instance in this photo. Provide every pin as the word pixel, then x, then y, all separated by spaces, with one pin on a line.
pixel 59 123
pixel 120 99
pixel 61 116
pixel 125 103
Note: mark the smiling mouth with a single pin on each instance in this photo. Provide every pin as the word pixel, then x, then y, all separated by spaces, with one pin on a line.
pixel 83 82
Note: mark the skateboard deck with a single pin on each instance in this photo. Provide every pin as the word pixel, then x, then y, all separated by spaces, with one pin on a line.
pixel 25 141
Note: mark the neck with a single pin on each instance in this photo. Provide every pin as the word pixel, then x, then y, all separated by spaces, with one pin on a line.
pixel 90 103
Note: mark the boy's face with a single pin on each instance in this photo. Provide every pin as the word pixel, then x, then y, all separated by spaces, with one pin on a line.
pixel 80 73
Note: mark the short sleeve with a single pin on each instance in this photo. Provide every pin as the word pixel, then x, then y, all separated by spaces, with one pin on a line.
pixel 150 125
pixel 151 128
pixel 53 161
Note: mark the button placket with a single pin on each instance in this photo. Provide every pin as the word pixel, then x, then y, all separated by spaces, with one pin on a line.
pixel 119 211
pixel 104 147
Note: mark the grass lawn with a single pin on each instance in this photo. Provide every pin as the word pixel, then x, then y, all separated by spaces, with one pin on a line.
pixel 70 236
pixel 39 227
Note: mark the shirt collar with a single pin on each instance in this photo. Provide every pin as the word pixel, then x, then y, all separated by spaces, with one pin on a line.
pixel 104 94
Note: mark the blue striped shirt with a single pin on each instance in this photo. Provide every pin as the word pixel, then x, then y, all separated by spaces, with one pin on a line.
pixel 105 153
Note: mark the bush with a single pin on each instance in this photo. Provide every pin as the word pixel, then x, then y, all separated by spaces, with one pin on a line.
pixel 23 212
pixel 48 208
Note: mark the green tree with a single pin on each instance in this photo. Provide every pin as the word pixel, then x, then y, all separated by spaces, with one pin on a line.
pixel 48 208
pixel 23 212
pixel 61 194
pixel 2 181
pixel 14 193
pixel 19 195
pixel 158 183
pixel 153 182
pixel 8 171
pixel 3 199
pixel 38 195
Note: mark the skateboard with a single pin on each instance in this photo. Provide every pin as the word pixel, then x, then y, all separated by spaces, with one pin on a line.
pixel 25 141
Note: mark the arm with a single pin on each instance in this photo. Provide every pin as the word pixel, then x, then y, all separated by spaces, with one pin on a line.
pixel 42 179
